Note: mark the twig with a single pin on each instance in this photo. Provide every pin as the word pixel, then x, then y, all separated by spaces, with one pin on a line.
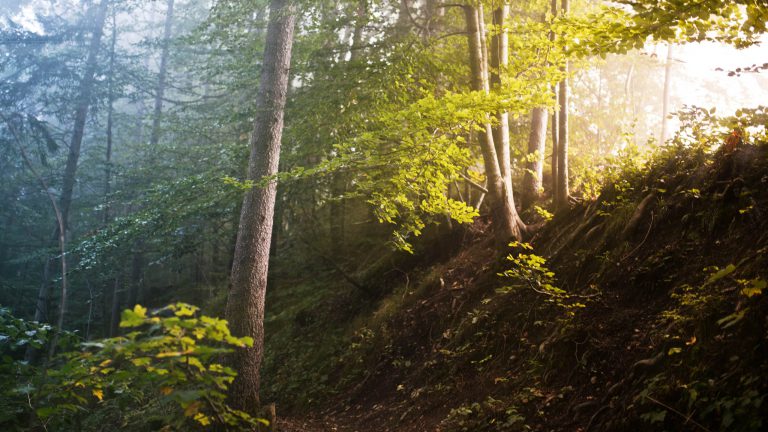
pixel 473 183
pixel 650 225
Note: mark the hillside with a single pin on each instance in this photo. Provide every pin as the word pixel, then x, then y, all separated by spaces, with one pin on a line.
pixel 660 324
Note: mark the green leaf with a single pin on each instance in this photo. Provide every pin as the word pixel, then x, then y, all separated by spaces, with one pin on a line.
pixel 721 274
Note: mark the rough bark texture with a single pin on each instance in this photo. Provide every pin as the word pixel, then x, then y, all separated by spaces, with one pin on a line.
pixel 245 303
pixel 83 103
pixel 160 91
pixel 503 211
pixel 532 179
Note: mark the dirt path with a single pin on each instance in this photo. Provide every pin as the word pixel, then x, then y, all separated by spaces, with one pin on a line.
pixel 310 425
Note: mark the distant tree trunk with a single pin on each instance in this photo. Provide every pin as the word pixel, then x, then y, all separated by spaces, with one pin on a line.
pixel 561 193
pixel 83 102
pixel 245 302
pixel 110 112
pixel 161 75
pixel 110 314
pixel 532 179
pixel 114 311
pixel 339 179
pixel 555 121
pixel 31 353
pixel 503 212
pixel 137 274
pixel 665 103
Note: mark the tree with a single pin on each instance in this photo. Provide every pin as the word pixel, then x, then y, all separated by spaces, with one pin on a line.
pixel 561 191
pixel 534 167
pixel 665 97
pixel 245 301
pixel 506 220
pixel 83 103
pixel 161 75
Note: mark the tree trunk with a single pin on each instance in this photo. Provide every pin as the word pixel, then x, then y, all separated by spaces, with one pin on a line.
pixel 561 193
pixel 532 179
pixel 70 170
pixel 160 91
pixel 60 230
pixel 245 302
pixel 499 61
pixel 114 310
pixel 503 212
pixel 110 112
pixel 339 179
pixel 555 120
pixel 665 100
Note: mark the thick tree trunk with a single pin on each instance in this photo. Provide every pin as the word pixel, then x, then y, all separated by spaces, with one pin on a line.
pixel 532 179
pixel 561 192
pixel 245 303
pixel 503 212
pixel 160 90
pixel 70 170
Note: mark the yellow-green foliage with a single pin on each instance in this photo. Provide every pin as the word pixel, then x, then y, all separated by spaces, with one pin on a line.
pixel 165 373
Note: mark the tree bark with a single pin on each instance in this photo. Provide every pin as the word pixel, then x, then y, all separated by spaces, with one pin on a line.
pixel 503 212
pixel 499 61
pixel 561 193
pixel 533 177
pixel 245 302
pixel 161 76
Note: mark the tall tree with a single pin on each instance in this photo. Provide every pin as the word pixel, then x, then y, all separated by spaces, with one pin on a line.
pixel 534 167
pixel 339 179
pixel 83 103
pixel 561 190
pixel 161 75
pixel 665 97
pixel 506 220
pixel 248 282
pixel 114 310
pixel 555 120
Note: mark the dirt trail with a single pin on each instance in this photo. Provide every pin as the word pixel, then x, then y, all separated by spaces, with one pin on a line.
pixel 311 425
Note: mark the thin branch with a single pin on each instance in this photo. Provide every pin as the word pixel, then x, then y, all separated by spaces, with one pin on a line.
pixel 472 183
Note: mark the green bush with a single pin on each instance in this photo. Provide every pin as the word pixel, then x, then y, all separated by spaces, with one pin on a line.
pixel 163 374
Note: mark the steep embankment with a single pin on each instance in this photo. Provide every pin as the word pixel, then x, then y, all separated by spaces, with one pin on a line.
pixel 660 324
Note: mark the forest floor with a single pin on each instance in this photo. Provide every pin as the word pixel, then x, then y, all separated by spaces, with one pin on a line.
pixel 662 324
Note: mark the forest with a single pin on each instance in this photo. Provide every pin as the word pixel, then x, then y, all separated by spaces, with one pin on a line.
pixel 383 215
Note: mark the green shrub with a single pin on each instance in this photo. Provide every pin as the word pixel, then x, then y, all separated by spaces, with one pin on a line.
pixel 162 375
